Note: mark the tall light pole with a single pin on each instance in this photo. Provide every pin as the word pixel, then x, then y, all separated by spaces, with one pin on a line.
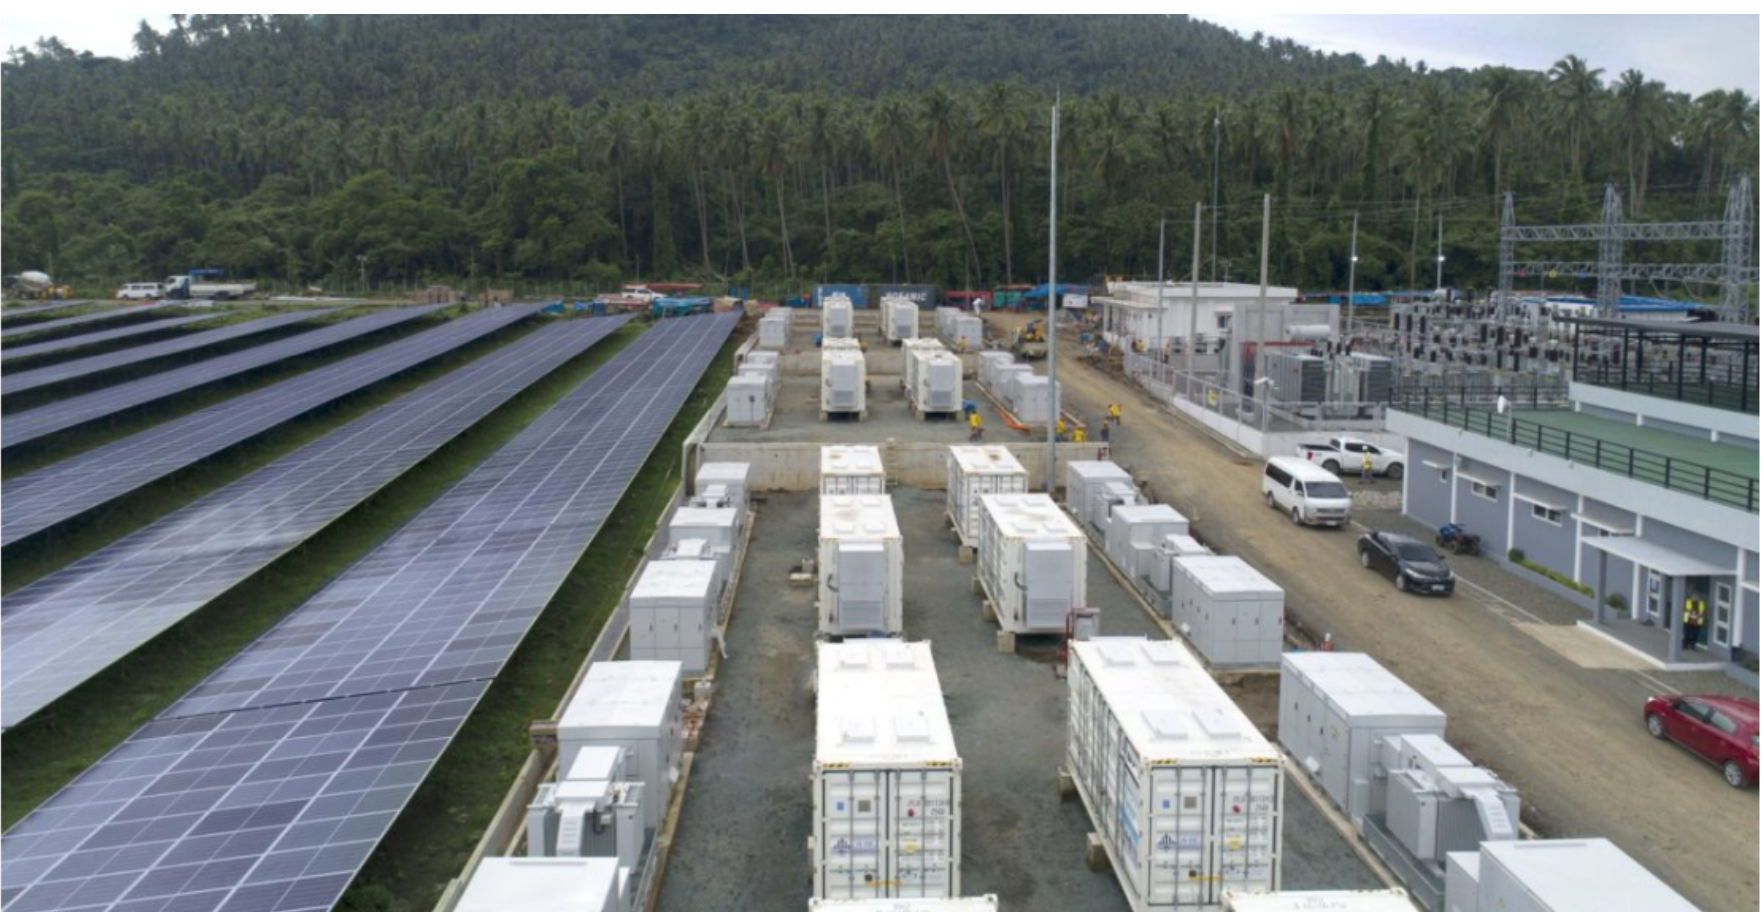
pixel 1193 307
pixel 1262 299
pixel 1053 291
pixel 1215 253
pixel 361 265
pixel 1161 337
pixel 1439 256
pixel 1353 265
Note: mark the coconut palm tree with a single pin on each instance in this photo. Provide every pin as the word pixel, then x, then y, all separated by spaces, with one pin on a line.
pixel 1575 91
pixel 893 136
pixel 946 119
pixel 1001 118
pixel 1642 125
pixel 1503 99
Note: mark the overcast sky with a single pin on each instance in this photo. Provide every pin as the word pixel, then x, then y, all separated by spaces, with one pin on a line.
pixel 1689 53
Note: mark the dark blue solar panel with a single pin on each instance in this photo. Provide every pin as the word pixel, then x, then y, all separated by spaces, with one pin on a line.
pixel 108 335
pixel 68 626
pixel 235 796
pixel 81 367
pixel 81 320
pixel 40 308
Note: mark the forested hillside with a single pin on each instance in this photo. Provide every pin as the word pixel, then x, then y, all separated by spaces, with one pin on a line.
pixel 577 151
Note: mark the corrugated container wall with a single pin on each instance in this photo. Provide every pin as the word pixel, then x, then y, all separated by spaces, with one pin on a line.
pixel 987 903
pixel 1392 900
pixel 975 471
pixel 1229 611
pixel 843 381
pixel 1032 562
pixel 937 382
pixel 852 470
pixel 862 566
pixel 1187 796
pixel 635 705
pixel 887 777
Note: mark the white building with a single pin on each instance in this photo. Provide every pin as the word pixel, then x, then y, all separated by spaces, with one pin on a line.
pixel 1129 312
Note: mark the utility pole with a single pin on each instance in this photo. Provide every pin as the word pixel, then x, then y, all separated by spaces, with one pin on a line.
pixel 1193 339
pixel 1262 302
pixel 1353 265
pixel 1215 253
pixel 1053 292
pixel 1161 336
pixel 1439 256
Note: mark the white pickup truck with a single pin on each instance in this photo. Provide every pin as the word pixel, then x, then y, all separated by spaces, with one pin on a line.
pixel 1347 453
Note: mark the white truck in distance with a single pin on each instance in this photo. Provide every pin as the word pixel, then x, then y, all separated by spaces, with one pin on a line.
pixel 1348 453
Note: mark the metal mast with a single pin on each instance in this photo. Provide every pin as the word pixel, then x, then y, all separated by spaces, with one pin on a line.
pixel 1161 336
pixel 1053 290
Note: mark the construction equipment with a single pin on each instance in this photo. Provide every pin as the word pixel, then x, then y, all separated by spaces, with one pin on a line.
pixel 1030 341
pixel 36 286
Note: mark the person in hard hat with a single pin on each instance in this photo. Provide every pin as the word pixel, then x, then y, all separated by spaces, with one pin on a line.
pixel 1077 435
pixel 974 429
pixel 1695 613
pixel 1060 429
pixel 1366 467
pixel 1114 413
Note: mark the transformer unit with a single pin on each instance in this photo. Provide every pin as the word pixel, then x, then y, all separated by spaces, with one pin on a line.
pixel 719 527
pixel 733 476
pixel 747 401
pixel 861 566
pixel 1105 499
pixel 842 383
pixel 975 471
pixel 774 329
pixel 1335 708
pixel 674 609
pixel 852 470
pixel 1187 796
pixel 1032 561
pixel 1435 802
pixel 1086 476
pixel 900 318
pixel 991 362
pixel 547 885
pixel 1375 375
pixel 1133 533
pixel 1230 612
pixel 836 316
pixel 1171 547
pixel 1557 875
pixel 987 903
pixel 887 777
pixel 937 383
pixel 1298 377
pixel 592 811
pixel 1393 900
pixel 634 705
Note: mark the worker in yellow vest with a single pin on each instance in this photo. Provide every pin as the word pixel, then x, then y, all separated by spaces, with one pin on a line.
pixel 1695 613
pixel 1077 435
pixel 974 428
pixel 1060 429
pixel 1115 414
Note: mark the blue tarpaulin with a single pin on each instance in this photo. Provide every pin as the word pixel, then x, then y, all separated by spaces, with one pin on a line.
pixel 1040 291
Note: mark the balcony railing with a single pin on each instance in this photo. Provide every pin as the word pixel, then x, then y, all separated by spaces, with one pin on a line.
pixel 1476 413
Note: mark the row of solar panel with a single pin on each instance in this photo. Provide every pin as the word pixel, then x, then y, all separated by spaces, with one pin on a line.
pixel 64 322
pixel 83 367
pixel 66 627
pixel 34 349
pixel 246 796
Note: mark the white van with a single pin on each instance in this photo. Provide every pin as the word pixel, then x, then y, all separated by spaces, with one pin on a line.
pixel 140 291
pixel 1306 492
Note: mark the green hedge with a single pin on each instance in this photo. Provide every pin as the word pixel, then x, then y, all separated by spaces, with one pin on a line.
pixel 1518 557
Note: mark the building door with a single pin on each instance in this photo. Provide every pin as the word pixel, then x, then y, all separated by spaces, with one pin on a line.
pixel 1721 631
pixel 1656 600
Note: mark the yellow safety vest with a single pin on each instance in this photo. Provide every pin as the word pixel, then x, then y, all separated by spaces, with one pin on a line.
pixel 974 420
pixel 1694 609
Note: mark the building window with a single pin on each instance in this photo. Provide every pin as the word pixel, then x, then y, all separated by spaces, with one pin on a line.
pixel 1445 476
pixel 1550 515
pixel 1487 492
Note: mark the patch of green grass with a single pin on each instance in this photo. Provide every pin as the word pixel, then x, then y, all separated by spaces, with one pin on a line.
pixel 429 843
pixel 47 751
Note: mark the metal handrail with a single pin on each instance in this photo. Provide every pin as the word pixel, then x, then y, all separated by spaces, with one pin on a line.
pixel 1675 474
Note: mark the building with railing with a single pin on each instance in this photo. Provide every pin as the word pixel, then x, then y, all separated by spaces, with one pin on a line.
pixel 1635 492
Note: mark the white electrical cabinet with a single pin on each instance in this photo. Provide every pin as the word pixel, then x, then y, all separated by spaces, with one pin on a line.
pixel 674 612
pixel 1428 803
pixel 966 332
pixel 900 318
pixel 861 566
pixel 987 903
pixel 774 329
pixel 747 400
pixel 1085 477
pixel 1393 900
pixel 1186 795
pixel 634 705
pixel 1229 611
pixel 1004 383
pixel 733 476
pixel 543 885
pixel 836 317
pixel 909 364
pixel 937 382
pixel 1463 871
pixel 716 525
pixel 767 373
pixel 1134 533
pixel 852 470
pixel 1105 499
pixel 1335 708
pixel 1566 875
pixel 975 471
pixel 1032 562
pixel 842 382
pixel 591 811
pixel 991 362
pixel 887 777
pixel 1036 398
pixel 1171 547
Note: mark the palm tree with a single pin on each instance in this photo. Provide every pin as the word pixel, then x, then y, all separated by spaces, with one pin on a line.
pixel 1504 99
pixel 1723 122
pixel 772 142
pixel 1002 119
pixel 820 135
pixel 1429 146
pixel 1574 88
pixel 1641 128
pixel 946 119
pixel 893 135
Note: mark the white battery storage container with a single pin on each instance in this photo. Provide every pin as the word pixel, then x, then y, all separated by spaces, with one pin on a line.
pixel 836 317
pixel 842 382
pixel 1392 900
pixel 861 566
pixel 1032 562
pixel 909 364
pixel 887 777
pixel 937 383
pixel 1187 796
pixel 987 903
pixel 634 705
pixel 900 318
pixel 1229 611
pixel 975 471
pixel 1134 533
pixel 1085 476
pixel 1335 708
pixel 852 470
pixel 1566 875
pixel 747 400
pixel 1036 398
pixel 731 475
pixel 505 884
pixel 966 332
pixel 991 362
pixel 1004 385
pixel 674 609
pixel 774 329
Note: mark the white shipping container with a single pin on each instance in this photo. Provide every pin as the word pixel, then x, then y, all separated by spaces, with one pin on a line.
pixel 1335 708
pixel 836 317
pixel 975 471
pixel 991 362
pixel 748 400
pixel 1392 900
pixel 1187 796
pixel 937 382
pixel 987 903
pixel 887 777
pixel 852 470
pixel 842 381
pixel 673 612
pixel 900 318
pixel 1084 476
pixel 1032 562
pixel 635 705
pixel 861 566
pixel 1005 385
pixel 1229 611
pixel 908 364
pixel 966 332
pixel 774 332
pixel 1134 532
pixel 501 884
pixel 1569 875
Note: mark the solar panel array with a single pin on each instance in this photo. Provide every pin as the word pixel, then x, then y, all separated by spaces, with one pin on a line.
pixel 81 320
pixel 74 411
pixel 41 499
pixel 40 308
pixel 237 799
pixel 68 626
pixel 82 367
pixel 121 332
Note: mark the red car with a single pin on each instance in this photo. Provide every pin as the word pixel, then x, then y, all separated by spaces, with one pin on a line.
pixel 1721 730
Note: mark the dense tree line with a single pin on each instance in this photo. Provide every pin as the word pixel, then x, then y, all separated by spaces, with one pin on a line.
pixel 787 150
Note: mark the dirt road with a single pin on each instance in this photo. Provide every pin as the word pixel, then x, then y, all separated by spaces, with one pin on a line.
pixel 1569 738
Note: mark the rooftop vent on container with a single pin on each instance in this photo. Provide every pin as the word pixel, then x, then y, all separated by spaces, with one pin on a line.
pixel 858 731
pixel 910 725
pixel 1218 725
pixel 1165 724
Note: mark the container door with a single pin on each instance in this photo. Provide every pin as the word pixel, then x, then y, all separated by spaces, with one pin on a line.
pixel 924 834
pixel 1047 584
pixel 862 581
pixel 850 862
pixel 1248 813
pixel 1182 859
